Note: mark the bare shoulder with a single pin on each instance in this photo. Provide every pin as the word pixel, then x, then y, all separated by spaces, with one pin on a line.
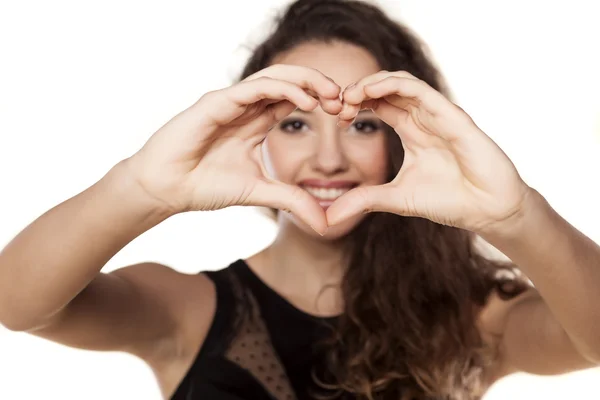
pixel 174 287
pixel 527 337
pixel 190 300
pixel 494 314
pixel 492 321
pixel 147 309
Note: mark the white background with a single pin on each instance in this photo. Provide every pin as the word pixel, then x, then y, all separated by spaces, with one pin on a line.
pixel 84 84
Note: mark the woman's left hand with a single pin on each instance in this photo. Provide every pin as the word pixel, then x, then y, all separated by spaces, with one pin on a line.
pixel 452 173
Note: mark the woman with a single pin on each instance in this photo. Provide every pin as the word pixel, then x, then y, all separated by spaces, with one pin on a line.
pixel 373 287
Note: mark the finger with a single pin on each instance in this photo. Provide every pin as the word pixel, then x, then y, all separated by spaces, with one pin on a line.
pixel 344 124
pixel 408 92
pixel 286 197
pixel 388 113
pixel 331 106
pixel 225 105
pixel 411 95
pixel 292 199
pixel 348 113
pixel 279 111
pixel 369 104
pixel 258 128
pixel 365 105
pixel 273 114
pixel 397 119
pixel 354 94
pixel 312 80
pixel 307 78
pixel 359 201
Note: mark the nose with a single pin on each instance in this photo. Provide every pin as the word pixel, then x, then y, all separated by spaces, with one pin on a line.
pixel 329 157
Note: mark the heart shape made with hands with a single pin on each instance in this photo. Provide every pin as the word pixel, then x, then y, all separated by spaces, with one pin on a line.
pixel 452 174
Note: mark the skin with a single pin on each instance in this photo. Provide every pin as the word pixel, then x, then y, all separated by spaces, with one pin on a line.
pixel 300 261
pixel 545 332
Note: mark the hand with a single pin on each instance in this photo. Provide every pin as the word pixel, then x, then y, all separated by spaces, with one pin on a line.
pixel 208 156
pixel 452 173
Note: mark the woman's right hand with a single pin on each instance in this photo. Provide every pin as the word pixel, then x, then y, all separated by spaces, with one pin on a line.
pixel 209 157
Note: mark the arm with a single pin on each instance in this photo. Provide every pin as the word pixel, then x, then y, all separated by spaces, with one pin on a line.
pixel 456 175
pixel 146 309
pixel 528 337
pixel 49 273
pixel 554 329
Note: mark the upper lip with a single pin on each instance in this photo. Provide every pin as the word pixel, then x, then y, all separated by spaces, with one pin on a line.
pixel 328 184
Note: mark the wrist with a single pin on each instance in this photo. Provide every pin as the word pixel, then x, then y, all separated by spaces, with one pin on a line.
pixel 532 210
pixel 124 184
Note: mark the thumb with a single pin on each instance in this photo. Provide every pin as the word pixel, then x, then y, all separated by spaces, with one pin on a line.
pixel 358 201
pixel 290 199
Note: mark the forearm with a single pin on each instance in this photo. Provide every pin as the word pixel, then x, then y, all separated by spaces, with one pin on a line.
pixel 48 263
pixel 563 264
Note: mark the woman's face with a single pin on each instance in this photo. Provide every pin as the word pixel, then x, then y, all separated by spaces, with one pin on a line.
pixel 311 151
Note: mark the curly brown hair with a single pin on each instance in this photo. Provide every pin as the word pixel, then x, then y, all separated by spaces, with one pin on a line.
pixel 413 287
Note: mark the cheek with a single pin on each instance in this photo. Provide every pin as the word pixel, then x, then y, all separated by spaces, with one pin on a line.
pixel 280 159
pixel 371 158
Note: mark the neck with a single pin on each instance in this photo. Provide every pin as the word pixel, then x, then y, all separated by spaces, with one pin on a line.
pixel 299 260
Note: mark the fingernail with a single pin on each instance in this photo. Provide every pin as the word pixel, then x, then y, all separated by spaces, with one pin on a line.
pixel 315 229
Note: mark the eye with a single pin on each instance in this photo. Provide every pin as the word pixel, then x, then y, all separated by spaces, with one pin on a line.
pixel 367 126
pixel 292 125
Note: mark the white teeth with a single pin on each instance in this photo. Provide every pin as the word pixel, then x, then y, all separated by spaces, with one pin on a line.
pixel 326 193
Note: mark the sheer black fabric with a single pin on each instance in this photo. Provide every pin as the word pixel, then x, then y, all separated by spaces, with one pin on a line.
pixel 259 345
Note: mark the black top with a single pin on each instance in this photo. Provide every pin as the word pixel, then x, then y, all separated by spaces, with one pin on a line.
pixel 259 345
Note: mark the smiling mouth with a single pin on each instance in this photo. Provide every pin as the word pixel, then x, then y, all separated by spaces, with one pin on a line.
pixel 326 194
